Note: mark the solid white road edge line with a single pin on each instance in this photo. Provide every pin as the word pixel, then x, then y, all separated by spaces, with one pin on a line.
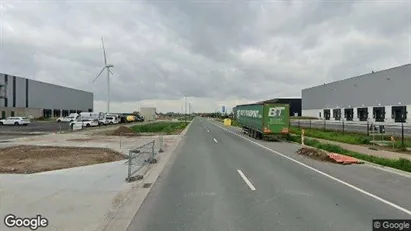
pixel 215 140
pixel 245 179
pixel 323 173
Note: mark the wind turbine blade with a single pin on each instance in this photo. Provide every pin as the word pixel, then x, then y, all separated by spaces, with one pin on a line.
pixel 110 71
pixel 104 51
pixel 99 74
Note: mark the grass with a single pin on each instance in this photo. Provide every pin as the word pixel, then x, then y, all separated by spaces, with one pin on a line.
pixel 347 137
pixel 303 118
pixel 160 127
pixel 401 164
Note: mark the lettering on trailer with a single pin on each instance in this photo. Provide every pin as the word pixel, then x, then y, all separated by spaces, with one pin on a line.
pixel 249 113
pixel 276 111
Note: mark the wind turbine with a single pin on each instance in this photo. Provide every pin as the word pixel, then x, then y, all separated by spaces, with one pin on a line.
pixel 107 67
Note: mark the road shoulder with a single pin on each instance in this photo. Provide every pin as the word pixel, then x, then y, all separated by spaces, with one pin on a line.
pixel 136 196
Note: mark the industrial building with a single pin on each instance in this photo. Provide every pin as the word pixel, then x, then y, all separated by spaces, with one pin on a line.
pixel 149 113
pixel 377 97
pixel 25 97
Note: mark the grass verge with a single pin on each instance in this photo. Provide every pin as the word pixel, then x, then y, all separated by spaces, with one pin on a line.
pixel 401 164
pixel 348 137
pixel 160 127
pixel 303 118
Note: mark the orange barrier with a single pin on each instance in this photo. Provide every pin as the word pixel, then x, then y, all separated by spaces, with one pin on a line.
pixel 343 159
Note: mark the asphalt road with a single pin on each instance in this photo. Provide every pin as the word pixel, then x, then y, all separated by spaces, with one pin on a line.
pixel 219 180
pixel 35 126
pixel 389 129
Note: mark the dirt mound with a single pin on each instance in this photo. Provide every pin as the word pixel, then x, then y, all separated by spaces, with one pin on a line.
pixel 123 130
pixel 32 159
pixel 315 154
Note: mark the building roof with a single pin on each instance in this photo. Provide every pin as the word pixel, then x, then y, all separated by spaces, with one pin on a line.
pixel 277 100
pixel 359 76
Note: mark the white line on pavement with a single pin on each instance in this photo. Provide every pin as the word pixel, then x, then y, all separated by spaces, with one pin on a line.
pixel 245 179
pixel 323 173
pixel 208 130
pixel 215 140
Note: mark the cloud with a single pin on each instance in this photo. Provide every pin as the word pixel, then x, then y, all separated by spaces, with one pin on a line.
pixel 215 52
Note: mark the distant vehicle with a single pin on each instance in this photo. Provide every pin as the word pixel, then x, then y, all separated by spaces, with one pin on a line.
pixel 85 123
pixel 111 120
pixel 131 118
pixel 91 115
pixel 69 118
pixel 139 118
pixel 15 121
pixel 264 120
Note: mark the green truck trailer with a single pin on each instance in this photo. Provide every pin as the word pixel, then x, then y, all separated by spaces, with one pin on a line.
pixel 264 120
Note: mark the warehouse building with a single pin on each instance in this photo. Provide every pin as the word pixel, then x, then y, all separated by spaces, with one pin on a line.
pixel 25 97
pixel 377 97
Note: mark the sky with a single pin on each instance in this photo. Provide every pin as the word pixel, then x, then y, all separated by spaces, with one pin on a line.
pixel 214 52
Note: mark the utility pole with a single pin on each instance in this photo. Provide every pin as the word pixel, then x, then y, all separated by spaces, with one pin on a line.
pixel 185 109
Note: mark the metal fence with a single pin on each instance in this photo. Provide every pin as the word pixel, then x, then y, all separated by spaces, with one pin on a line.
pixel 143 155
pixel 402 130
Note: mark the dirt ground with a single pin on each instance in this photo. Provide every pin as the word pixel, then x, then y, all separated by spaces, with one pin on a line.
pixel 314 154
pixel 32 159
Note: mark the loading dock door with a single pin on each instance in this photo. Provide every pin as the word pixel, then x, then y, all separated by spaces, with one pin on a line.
pixel 362 113
pixel 399 113
pixel 349 114
pixel 379 114
pixel 327 114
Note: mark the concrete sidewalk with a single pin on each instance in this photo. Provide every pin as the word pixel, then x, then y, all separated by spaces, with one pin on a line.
pixel 366 150
pixel 75 199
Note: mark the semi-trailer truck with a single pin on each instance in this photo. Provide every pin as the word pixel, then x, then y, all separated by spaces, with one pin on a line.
pixel 264 120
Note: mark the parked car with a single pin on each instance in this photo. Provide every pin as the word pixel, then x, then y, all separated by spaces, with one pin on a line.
pixel 111 120
pixel 85 123
pixel 140 118
pixel 15 121
pixel 69 118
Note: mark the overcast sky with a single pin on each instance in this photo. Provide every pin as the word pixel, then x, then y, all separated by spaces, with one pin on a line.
pixel 215 52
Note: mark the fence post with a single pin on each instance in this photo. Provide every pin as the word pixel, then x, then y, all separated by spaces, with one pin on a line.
pixel 130 158
pixel 368 128
pixel 302 138
pixel 324 124
pixel 120 139
pixel 310 124
pixel 402 134
pixel 343 126
pixel 298 123
pixel 153 151
pixel 161 144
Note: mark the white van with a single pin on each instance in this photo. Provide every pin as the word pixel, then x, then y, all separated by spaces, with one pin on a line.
pixel 69 118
